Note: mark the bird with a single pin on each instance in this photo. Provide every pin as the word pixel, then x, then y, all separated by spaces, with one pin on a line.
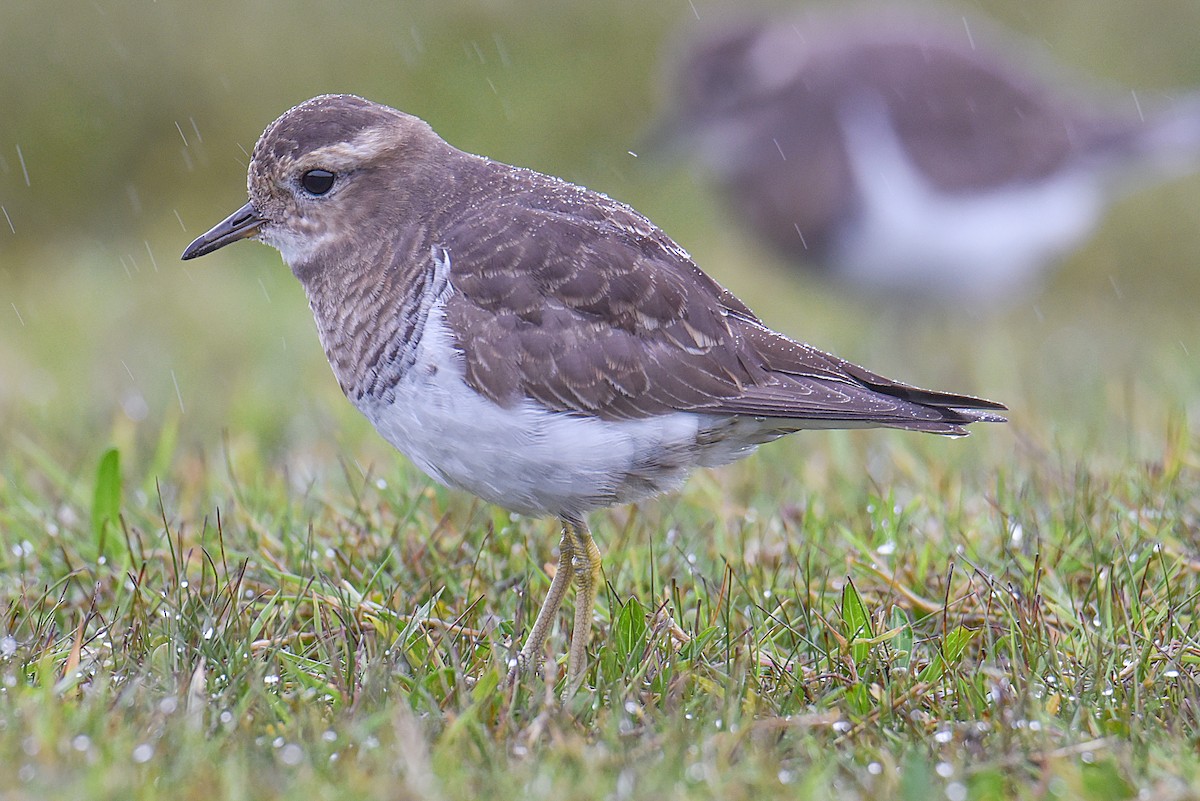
pixel 912 156
pixel 537 344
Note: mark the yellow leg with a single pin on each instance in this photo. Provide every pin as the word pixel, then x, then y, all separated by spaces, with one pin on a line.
pixel 530 655
pixel 586 568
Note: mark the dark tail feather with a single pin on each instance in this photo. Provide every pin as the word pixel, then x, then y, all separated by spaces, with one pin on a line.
pixel 953 422
pixel 957 410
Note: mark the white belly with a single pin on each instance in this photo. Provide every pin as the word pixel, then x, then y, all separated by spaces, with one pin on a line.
pixel 912 238
pixel 526 458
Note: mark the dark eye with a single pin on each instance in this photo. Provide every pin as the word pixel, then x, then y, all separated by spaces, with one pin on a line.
pixel 317 182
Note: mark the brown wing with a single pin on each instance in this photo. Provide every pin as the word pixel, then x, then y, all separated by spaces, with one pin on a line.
pixel 969 117
pixel 968 120
pixel 578 302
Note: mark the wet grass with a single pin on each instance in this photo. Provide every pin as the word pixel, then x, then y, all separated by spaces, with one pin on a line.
pixel 215 582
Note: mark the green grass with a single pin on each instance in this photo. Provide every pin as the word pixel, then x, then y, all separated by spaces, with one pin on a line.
pixel 217 582
pixel 235 590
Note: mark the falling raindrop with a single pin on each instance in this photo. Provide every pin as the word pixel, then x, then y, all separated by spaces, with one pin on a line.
pixel 21 158
pixel 178 394
pixel 967 28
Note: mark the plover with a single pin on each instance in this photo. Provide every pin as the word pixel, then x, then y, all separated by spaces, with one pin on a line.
pixel 906 154
pixel 532 342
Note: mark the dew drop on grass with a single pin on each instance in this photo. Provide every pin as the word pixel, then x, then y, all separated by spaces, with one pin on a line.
pixel 291 754
pixel 270 679
pixel 956 791
pixel 1171 674
pixel 81 742
pixel 786 777
pixel 943 736
pixel 329 735
pixel 887 549
pixel 874 768
pixel 8 645
pixel 944 769
pixel 142 753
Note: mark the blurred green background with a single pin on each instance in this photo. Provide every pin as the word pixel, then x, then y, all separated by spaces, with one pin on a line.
pixel 125 130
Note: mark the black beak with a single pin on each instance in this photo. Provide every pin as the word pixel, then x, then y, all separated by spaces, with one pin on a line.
pixel 242 224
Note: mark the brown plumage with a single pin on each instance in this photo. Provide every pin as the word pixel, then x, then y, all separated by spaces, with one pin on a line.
pixel 538 344
pixel 576 301
pixel 818 125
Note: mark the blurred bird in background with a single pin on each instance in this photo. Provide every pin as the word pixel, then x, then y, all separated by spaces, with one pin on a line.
pixel 910 155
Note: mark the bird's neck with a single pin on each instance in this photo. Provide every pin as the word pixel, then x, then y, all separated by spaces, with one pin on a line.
pixel 371 310
pixel 371 295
